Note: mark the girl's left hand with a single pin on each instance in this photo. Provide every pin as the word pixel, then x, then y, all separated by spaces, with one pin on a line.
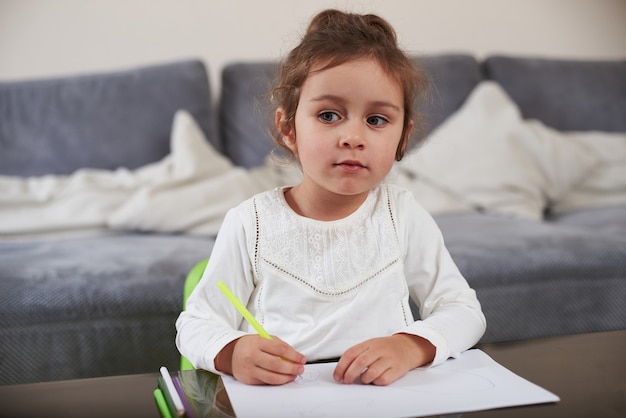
pixel 382 361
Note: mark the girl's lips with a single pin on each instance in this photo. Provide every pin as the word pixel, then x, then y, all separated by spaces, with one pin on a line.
pixel 350 165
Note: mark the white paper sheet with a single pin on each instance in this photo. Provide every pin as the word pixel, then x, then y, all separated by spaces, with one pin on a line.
pixel 472 382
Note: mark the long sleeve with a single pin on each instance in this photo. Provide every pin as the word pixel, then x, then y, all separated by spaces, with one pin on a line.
pixel 451 316
pixel 210 322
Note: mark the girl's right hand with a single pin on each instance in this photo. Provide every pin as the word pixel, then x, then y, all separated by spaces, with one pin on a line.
pixel 258 361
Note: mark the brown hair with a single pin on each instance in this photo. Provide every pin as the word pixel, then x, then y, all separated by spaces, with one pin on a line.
pixel 334 38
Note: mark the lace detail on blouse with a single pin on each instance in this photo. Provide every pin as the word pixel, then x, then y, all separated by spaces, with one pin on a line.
pixel 332 257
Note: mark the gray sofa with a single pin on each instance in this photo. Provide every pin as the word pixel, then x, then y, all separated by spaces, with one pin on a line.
pixel 105 303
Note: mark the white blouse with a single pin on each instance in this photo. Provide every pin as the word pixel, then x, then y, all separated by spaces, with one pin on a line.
pixel 324 286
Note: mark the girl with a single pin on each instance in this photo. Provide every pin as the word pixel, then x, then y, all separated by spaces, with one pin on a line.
pixel 329 264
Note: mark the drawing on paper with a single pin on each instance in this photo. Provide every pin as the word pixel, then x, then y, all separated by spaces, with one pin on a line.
pixel 309 377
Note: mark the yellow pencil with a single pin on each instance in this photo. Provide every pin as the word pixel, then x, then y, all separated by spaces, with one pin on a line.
pixel 243 310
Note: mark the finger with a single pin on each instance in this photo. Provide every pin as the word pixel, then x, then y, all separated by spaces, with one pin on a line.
pixel 354 365
pixel 260 376
pixel 264 368
pixel 345 361
pixel 280 365
pixel 256 361
pixel 281 358
pixel 287 352
pixel 271 377
pixel 379 373
pixel 388 377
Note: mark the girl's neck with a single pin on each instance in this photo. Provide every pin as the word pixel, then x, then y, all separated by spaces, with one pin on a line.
pixel 324 206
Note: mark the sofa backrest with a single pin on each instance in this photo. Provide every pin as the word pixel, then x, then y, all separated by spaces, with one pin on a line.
pixel 567 95
pixel 105 120
pixel 452 78
pixel 245 115
pixel 124 118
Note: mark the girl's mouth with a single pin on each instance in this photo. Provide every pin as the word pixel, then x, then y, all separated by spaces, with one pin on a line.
pixel 350 165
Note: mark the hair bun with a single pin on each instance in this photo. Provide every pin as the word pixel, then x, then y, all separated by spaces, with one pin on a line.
pixel 336 20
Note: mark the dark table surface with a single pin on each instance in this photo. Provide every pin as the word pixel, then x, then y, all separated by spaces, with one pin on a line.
pixel 587 371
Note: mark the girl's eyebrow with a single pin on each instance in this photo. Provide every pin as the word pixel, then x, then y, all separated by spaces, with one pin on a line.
pixel 340 100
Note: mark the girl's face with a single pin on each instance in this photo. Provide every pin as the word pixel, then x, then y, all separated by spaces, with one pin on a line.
pixel 347 127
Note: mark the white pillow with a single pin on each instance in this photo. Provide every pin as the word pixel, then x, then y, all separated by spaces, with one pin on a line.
pixel 486 156
pixel 605 185
pixel 202 186
pixel 190 190
pixel 199 188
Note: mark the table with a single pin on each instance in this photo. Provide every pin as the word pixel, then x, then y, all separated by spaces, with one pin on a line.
pixel 587 371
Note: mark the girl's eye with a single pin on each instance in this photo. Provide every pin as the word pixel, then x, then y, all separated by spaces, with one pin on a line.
pixel 328 117
pixel 376 120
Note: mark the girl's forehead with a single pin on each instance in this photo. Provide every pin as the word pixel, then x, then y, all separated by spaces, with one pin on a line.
pixel 364 73
pixel 333 62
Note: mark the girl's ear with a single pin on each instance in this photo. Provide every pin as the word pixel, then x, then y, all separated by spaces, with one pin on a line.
pixel 286 129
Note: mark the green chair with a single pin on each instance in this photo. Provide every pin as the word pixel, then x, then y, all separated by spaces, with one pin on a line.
pixel 194 276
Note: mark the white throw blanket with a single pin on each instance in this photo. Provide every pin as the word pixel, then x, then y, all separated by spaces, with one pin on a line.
pixel 189 191
pixel 485 155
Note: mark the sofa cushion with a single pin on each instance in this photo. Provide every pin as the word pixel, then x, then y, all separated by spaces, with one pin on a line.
pixel 92 306
pixel 567 95
pixel 610 219
pixel 106 121
pixel 537 279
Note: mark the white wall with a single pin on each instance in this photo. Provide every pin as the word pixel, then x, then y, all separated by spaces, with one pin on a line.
pixel 41 38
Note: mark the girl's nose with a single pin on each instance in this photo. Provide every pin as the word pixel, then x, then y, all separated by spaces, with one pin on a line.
pixel 352 142
pixel 352 137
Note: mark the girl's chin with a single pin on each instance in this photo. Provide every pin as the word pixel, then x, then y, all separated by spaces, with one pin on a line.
pixel 352 191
